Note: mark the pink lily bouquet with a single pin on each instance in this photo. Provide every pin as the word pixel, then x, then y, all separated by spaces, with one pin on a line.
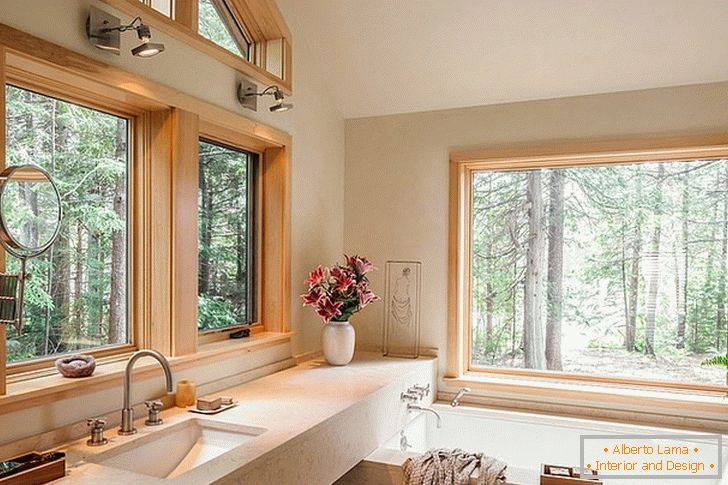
pixel 339 292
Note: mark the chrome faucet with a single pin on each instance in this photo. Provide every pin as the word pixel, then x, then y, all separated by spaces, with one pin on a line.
pixel 456 400
pixel 127 413
pixel 414 407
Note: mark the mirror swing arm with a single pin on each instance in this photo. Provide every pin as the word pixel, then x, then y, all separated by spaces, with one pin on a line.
pixel 13 227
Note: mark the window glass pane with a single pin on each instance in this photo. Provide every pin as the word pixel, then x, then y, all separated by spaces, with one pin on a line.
pixel 616 271
pixel 217 23
pixel 225 271
pixel 161 6
pixel 76 297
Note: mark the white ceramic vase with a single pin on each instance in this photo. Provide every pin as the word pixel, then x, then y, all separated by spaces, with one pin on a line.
pixel 338 342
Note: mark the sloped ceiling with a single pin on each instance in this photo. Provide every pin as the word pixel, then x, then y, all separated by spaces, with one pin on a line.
pixel 392 56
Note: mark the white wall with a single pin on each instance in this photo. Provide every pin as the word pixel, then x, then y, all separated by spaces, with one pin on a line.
pixel 396 184
pixel 318 158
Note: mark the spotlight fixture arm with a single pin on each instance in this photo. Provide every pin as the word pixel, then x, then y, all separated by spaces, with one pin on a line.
pixel 248 95
pixel 125 28
pixel 137 25
pixel 269 91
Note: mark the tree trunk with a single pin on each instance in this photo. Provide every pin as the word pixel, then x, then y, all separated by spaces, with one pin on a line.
pixel 514 311
pixel 533 339
pixel 117 298
pixel 240 274
pixel 489 309
pixel 77 327
pixel 654 268
pixel 630 331
pixel 489 290
pixel 60 268
pixel 205 233
pixel 720 310
pixel 95 294
pixel 49 273
pixel 554 285
pixel 682 284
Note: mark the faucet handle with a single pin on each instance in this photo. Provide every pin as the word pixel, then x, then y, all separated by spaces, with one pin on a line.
pixel 154 405
pixel 97 431
pixel 96 423
pixel 422 390
pixel 409 396
pixel 153 409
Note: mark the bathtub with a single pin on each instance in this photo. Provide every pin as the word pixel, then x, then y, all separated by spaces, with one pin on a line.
pixel 524 441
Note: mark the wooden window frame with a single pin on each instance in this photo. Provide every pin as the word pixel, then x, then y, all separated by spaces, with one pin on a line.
pixel 260 19
pixel 163 240
pixel 463 164
pixel 135 118
pixel 216 134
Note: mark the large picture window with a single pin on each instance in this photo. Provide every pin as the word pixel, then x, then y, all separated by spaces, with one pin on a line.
pixel 226 270
pixel 76 298
pixel 616 271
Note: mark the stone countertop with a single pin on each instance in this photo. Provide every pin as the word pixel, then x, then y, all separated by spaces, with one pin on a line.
pixel 287 404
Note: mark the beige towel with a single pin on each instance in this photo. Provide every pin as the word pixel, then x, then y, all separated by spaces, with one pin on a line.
pixel 452 467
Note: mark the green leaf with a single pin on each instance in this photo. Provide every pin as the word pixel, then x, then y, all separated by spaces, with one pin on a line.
pixel 718 360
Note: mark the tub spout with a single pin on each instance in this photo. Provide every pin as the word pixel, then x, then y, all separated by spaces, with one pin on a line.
pixel 414 407
pixel 456 400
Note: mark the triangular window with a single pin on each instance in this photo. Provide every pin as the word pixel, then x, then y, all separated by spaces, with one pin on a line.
pixel 218 23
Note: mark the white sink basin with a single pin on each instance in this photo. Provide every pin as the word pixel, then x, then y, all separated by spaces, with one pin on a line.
pixel 172 451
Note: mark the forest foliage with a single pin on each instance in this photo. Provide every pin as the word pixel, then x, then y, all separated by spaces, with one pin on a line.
pixel 76 297
pixel 211 25
pixel 599 269
pixel 225 266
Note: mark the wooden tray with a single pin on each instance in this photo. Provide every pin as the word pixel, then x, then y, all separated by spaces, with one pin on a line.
pixel 43 472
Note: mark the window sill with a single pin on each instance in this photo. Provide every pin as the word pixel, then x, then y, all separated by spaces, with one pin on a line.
pixel 668 407
pixel 26 390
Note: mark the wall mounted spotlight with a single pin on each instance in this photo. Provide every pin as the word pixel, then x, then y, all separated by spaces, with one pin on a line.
pixel 248 96
pixel 104 31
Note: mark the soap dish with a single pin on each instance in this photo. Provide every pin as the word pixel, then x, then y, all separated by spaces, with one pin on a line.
pixel 222 408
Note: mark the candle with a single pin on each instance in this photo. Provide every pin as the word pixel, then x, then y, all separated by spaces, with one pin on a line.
pixel 185 393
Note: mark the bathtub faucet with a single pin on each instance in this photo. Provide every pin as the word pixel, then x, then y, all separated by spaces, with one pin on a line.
pixel 456 400
pixel 414 407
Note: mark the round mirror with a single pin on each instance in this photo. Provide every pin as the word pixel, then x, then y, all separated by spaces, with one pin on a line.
pixel 30 210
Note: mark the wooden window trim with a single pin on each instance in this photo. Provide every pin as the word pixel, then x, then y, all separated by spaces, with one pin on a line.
pixel 25 79
pixel 569 154
pixel 165 140
pixel 260 18
pixel 218 134
pixel 273 228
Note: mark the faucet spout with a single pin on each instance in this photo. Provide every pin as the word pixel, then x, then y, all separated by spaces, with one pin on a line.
pixel 127 413
pixel 415 407
pixel 456 400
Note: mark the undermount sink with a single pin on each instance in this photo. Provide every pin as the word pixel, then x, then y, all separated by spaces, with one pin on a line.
pixel 172 451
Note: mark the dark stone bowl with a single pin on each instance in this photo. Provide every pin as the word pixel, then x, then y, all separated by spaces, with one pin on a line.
pixel 77 365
